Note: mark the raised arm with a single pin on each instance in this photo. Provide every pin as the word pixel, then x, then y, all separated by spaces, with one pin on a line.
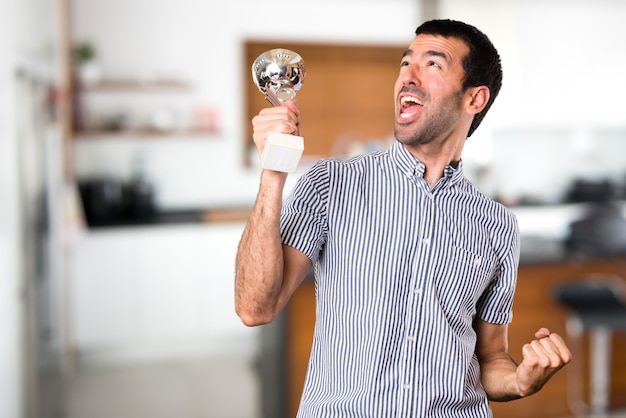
pixel 505 380
pixel 267 272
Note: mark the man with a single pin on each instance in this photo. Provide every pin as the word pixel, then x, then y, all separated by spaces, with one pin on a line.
pixel 415 269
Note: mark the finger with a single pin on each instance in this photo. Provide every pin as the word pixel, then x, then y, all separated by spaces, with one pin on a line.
pixel 535 357
pixel 289 110
pixel 561 346
pixel 292 106
pixel 529 354
pixel 558 342
pixel 278 126
pixel 282 122
pixel 552 352
pixel 266 118
pixel 273 123
pixel 552 342
pixel 544 355
pixel 542 333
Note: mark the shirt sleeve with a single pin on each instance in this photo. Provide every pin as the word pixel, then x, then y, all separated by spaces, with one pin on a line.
pixel 496 304
pixel 303 223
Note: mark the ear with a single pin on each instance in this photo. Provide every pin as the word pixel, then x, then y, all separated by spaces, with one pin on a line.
pixel 477 99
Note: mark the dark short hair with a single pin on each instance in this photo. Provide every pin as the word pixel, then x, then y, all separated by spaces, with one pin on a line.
pixel 482 64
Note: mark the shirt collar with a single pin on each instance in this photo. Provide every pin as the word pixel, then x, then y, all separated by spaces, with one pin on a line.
pixel 412 167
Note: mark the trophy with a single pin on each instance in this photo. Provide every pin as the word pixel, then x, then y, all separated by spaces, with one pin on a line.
pixel 279 74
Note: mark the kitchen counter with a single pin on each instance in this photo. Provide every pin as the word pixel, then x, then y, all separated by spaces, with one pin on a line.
pixel 179 216
pixel 543 228
pixel 536 250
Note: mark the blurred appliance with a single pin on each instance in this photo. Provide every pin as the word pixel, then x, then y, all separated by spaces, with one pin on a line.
pixel 103 201
pixel 140 196
pixel 600 233
pixel 109 201
pixel 582 190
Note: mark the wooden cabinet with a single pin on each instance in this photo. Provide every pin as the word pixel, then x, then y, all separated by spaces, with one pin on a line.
pixel 299 323
pixel 534 307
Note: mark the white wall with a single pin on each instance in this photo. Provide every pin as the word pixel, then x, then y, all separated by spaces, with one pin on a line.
pixel 561 64
pixel 559 115
pixel 203 42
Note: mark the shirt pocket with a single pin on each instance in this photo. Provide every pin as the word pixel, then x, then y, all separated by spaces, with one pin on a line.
pixel 475 267
pixel 464 280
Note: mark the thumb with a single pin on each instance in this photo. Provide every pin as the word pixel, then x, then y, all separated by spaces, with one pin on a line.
pixel 542 333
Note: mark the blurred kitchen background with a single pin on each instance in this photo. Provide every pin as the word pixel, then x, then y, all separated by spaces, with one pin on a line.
pixel 127 172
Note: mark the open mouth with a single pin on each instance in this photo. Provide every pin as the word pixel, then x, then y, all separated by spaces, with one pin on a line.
pixel 409 106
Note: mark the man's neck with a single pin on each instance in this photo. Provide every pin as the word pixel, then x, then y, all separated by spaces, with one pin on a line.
pixel 436 158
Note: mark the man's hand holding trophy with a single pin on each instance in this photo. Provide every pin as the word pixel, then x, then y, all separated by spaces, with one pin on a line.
pixel 279 74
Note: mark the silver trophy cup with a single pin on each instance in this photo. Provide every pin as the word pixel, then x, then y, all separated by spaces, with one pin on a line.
pixel 279 74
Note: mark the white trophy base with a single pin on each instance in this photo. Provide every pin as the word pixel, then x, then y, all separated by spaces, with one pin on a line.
pixel 282 152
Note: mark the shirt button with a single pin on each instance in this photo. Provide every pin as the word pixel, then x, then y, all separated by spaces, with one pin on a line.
pixel 426 241
pixel 417 291
pixel 406 387
pixel 411 338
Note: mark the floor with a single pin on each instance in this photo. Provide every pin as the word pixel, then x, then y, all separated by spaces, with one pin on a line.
pixel 222 386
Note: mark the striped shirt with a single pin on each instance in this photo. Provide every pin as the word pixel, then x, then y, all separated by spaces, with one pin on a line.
pixel 401 271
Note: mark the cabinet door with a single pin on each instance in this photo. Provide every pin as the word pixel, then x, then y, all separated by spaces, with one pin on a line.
pixel 155 287
pixel 217 297
pixel 169 270
pixel 103 290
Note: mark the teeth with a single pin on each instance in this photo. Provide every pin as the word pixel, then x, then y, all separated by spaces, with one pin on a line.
pixel 407 101
pixel 410 99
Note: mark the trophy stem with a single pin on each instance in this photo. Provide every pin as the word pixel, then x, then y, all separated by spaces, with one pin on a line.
pixel 272 98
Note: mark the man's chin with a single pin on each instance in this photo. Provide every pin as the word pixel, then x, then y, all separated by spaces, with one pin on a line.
pixel 406 138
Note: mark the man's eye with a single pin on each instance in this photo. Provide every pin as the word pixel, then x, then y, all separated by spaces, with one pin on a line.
pixel 434 64
pixel 404 63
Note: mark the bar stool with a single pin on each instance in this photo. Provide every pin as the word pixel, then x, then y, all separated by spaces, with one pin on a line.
pixel 597 306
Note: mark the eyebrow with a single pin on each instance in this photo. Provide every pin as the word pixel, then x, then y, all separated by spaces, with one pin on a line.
pixel 429 53
pixel 433 53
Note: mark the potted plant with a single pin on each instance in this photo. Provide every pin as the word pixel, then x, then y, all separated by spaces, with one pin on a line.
pixel 88 70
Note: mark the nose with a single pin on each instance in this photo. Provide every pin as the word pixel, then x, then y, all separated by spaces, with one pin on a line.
pixel 410 75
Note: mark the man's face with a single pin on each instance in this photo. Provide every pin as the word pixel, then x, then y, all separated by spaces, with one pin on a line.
pixel 428 90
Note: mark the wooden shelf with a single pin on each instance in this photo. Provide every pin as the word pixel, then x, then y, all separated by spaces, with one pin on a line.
pixel 138 86
pixel 144 133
